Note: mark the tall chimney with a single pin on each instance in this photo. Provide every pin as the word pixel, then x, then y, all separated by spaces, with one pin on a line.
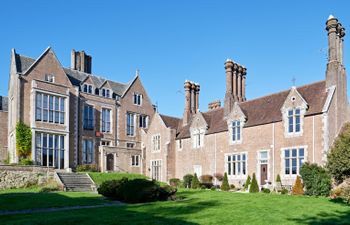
pixel 198 87
pixel 193 98
pixel 81 61
pixel 229 86
pixel 187 113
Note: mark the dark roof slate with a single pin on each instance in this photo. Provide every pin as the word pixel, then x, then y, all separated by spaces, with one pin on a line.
pixel 171 122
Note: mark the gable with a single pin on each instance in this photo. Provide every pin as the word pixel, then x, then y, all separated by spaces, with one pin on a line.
pixel 294 99
pixel 237 113
pixel 198 122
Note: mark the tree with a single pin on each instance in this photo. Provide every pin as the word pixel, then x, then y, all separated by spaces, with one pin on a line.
pixel 254 187
pixel 247 183
pixel 195 182
pixel 225 185
pixel 23 140
pixel 338 162
pixel 188 180
pixel 298 187
pixel 316 180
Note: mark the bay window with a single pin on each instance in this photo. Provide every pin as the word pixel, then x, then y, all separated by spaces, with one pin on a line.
pixel 49 108
pixel 49 150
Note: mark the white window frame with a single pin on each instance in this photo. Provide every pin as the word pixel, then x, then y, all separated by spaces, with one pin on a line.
pixel 232 126
pixel 105 123
pixel 85 126
pixel 137 99
pixel 132 126
pixel 237 175
pixel 197 137
pixel 156 163
pixel 283 165
pixel 88 88
pixel 106 90
pixel 50 78
pixel 156 143
pixel 144 119
pixel 106 143
pixel 57 149
pixel 50 108
pixel 135 161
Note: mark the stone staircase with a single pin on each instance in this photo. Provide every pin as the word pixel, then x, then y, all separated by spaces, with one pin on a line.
pixel 76 182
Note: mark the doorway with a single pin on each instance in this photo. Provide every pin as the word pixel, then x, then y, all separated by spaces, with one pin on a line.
pixel 110 162
pixel 263 174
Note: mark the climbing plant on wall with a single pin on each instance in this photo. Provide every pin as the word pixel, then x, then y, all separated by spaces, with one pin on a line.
pixel 23 140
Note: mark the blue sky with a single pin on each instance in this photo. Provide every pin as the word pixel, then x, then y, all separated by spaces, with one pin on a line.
pixel 171 41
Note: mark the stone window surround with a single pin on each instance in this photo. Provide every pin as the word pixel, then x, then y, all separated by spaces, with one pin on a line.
pixel 241 176
pixel 93 150
pixel 282 172
pixel 139 99
pixel 106 89
pixel 110 120
pixel 136 159
pixel 230 128
pixel 134 123
pixel 159 162
pixel 198 132
pixel 154 148
pixel 93 116
pixel 87 88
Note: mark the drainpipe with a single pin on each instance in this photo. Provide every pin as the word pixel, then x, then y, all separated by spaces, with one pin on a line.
pixel 215 158
pixel 313 139
pixel 273 155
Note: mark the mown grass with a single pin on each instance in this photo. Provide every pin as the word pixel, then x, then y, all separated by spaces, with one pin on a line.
pixel 99 178
pixel 204 207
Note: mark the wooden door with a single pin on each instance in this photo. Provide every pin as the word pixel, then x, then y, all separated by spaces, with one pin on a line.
pixel 263 174
pixel 110 162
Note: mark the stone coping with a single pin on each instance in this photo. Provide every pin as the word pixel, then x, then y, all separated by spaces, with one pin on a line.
pixel 26 168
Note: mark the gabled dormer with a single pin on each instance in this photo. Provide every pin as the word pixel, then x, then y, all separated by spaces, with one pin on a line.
pixel 198 128
pixel 87 85
pixel 235 122
pixel 293 112
pixel 106 90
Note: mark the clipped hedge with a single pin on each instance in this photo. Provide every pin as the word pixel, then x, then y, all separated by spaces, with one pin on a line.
pixel 316 180
pixel 136 191
pixel 87 168
pixel 188 180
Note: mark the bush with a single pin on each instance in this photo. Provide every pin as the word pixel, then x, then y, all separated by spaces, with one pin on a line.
pixel 206 179
pixel 26 162
pixel 254 187
pixel 278 179
pixel 298 187
pixel 232 186
pixel 213 188
pixel 219 176
pixel 338 162
pixel 87 168
pixel 342 191
pixel 266 190
pixel 136 191
pixel 188 180
pixel 225 185
pixel 206 185
pixel 316 180
pixel 284 191
pixel 247 183
pixel 195 182
pixel 175 182
pixel 23 140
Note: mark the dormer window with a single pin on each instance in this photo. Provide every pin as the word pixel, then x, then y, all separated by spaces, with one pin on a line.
pixel 87 88
pixel 106 93
pixel 137 99
pixel 198 138
pixel 50 78
pixel 294 120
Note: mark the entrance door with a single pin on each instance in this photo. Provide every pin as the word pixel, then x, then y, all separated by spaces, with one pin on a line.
pixel 263 174
pixel 110 162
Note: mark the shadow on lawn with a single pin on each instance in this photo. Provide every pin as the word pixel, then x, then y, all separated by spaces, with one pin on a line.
pixel 333 218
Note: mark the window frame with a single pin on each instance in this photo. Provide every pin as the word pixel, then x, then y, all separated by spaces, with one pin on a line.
pixel 89 121
pixel 49 110
pixel 156 164
pixel 56 147
pixel 86 152
pixel 130 124
pixel 106 120
pixel 137 99
pixel 135 161
pixel 236 168
pixel 156 143
pixel 143 121
pixel 290 158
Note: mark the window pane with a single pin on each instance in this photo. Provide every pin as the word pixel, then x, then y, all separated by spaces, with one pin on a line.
pixel 294 166
pixel 287 166
pixel 297 111
pixel 290 113
pixel 294 153
pixel 229 168
pixel 301 152
pixel 244 168
pixel 286 153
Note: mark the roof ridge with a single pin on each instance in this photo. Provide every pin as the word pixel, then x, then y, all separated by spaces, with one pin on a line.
pixel 170 116
pixel 277 93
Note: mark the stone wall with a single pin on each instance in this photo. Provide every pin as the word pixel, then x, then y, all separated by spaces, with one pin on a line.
pixel 23 176
pixel 3 135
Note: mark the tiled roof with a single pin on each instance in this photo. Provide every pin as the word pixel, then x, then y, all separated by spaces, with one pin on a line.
pixel 264 110
pixel 75 76
pixel 171 122
pixel 3 103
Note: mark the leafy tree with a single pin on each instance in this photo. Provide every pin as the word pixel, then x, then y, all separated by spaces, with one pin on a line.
pixel 298 187
pixel 254 187
pixel 338 162
pixel 188 180
pixel 195 182
pixel 316 180
pixel 23 140
pixel 225 185
pixel 247 183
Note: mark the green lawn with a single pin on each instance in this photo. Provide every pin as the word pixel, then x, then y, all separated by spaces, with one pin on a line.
pixel 99 178
pixel 18 199
pixel 204 207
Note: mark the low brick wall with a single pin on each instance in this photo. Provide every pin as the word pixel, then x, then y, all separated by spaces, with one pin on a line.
pixel 23 176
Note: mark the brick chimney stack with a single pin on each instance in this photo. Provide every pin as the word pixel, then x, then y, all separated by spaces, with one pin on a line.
pixel 235 84
pixel 191 100
pixel 81 61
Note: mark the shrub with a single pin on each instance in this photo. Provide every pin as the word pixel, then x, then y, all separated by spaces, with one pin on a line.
pixel 338 162
pixel 175 182
pixel 278 179
pixel 316 180
pixel 206 179
pixel 247 183
pixel 213 188
pixel 342 191
pixel 25 162
pixel 49 186
pixel 232 186
pixel 136 191
pixel 254 187
pixel 225 185
pixel 219 176
pixel 206 185
pixel 284 191
pixel 188 180
pixel 195 182
pixel 298 187
pixel 87 168
pixel 266 190
pixel 23 140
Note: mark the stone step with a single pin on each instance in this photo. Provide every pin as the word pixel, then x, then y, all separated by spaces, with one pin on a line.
pixel 76 182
